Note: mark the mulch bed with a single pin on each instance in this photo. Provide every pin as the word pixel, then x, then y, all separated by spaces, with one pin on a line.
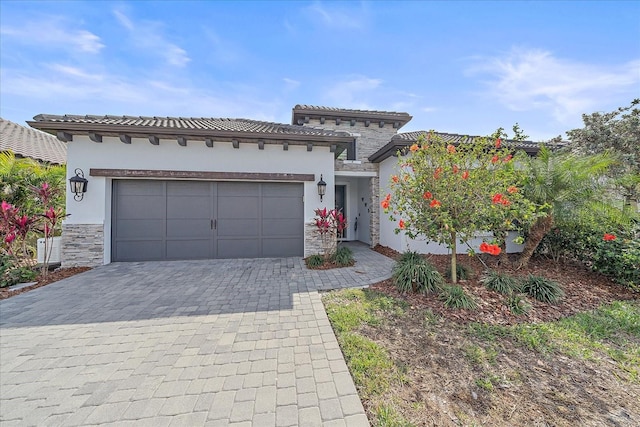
pixel 53 276
pixel 584 290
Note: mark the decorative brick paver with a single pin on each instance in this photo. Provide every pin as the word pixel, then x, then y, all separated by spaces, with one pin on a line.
pixel 185 343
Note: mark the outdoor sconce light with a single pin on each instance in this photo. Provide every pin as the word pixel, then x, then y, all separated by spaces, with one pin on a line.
pixel 322 187
pixel 78 185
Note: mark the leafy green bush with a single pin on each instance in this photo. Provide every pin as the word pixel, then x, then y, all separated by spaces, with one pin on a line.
pixel 455 297
pixel 517 304
pixel 413 273
pixel 499 282
pixel 343 256
pixel 542 289
pixel 619 259
pixel 315 261
pixel 462 272
pixel 581 237
pixel 11 275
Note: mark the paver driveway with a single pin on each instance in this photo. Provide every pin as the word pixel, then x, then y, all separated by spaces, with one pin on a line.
pixel 225 342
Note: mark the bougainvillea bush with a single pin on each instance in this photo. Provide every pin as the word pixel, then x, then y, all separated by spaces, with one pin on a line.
pixel 448 193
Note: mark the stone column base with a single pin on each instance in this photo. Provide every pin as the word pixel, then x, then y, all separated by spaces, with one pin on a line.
pixel 82 245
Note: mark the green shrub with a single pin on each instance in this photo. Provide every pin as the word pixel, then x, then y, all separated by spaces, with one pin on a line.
pixel 517 304
pixel 14 275
pixel 455 297
pixel 542 289
pixel 315 261
pixel 580 237
pixel 462 272
pixel 619 259
pixel 499 282
pixel 412 273
pixel 343 256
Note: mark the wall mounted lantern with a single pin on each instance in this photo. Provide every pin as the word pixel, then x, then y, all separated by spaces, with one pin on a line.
pixel 78 185
pixel 322 187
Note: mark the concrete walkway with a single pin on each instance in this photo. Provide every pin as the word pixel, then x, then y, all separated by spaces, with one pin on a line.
pixel 185 343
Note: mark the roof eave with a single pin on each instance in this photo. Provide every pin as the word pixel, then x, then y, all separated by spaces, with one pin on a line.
pixel 400 118
pixel 145 132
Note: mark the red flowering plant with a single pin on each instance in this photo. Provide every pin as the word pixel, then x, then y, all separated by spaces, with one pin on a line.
pixel 330 223
pixel 447 193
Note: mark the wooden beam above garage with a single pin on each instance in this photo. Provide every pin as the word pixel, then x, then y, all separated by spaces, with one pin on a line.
pixel 205 175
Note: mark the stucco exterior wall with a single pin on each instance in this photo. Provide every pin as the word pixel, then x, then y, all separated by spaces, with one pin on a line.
pixel 94 211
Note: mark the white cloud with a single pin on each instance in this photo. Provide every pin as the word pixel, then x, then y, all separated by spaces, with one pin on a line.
pixel 337 16
pixel 119 94
pixel 147 36
pixel 54 31
pixel 536 79
pixel 291 84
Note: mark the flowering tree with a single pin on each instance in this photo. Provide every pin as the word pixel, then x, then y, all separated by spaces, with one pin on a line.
pixel 329 224
pixel 448 193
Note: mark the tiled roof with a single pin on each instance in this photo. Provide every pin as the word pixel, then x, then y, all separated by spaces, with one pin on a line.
pixel 27 142
pixel 404 139
pixel 303 112
pixel 453 138
pixel 178 124
pixel 315 108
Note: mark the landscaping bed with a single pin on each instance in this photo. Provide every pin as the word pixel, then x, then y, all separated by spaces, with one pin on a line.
pixel 53 276
pixel 416 362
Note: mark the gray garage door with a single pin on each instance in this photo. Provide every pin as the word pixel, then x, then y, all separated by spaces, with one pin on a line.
pixel 170 220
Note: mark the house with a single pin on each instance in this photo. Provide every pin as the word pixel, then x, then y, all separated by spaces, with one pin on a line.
pixel 164 188
pixel 31 143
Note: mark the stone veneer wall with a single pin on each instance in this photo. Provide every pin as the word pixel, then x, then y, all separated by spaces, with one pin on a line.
pixel 374 216
pixel 371 139
pixel 82 245
pixel 313 241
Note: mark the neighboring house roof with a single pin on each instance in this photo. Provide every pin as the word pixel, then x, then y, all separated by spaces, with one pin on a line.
pixel 302 114
pixel 405 139
pixel 27 142
pixel 191 128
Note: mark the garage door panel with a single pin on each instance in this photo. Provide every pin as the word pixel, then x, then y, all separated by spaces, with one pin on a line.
pixel 193 228
pixel 238 207
pixel 238 227
pixel 188 188
pixel 152 207
pixel 188 249
pixel 147 250
pixel 281 190
pixel 238 189
pixel 282 207
pixel 141 188
pixel 282 247
pixel 140 228
pixel 281 227
pixel 181 207
pixel 238 248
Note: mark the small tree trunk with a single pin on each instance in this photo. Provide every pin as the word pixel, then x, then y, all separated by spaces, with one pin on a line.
pixel 454 252
pixel 538 230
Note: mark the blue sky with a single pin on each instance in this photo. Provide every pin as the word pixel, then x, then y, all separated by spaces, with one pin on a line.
pixel 458 67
